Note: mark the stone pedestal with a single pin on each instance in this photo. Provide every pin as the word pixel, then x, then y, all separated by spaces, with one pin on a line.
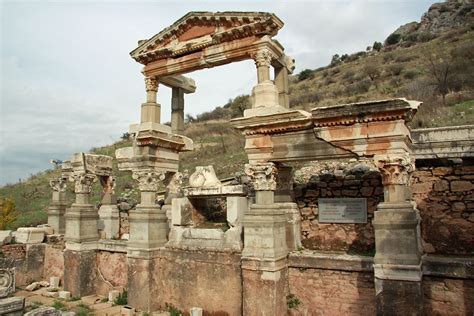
pixel 109 213
pixel 57 207
pixel 397 262
pixel 264 267
pixel 81 272
pixel 148 232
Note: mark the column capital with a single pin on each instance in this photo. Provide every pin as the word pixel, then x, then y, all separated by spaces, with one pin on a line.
pixel 396 169
pixel 83 182
pixel 148 180
pixel 262 175
pixel 263 57
pixel 58 184
pixel 151 84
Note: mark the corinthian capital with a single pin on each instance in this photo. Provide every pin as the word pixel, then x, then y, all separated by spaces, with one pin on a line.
pixel 151 84
pixel 262 175
pixel 148 180
pixel 396 169
pixel 58 184
pixel 263 57
pixel 83 182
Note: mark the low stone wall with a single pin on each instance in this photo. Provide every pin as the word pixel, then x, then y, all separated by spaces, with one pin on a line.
pixel 112 271
pixel 337 180
pixel 211 280
pixel 445 197
pixel 446 296
pixel 331 285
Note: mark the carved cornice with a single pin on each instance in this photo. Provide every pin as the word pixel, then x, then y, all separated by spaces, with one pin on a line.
pixel 58 184
pixel 214 28
pixel 396 169
pixel 148 181
pixel 83 182
pixel 262 176
pixel 151 84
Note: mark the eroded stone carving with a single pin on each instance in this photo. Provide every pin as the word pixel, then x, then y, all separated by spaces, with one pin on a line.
pixel 58 184
pixel 177 181
pixel 204 177
pixel 7 278
pixel 148 180
pixel 83 182
pixel 396 169
pixel 151 84
pixel 262 175
pixel 108 184
pixel 263 58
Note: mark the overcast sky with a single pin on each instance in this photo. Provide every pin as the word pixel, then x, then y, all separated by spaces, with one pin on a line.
pixel 69 84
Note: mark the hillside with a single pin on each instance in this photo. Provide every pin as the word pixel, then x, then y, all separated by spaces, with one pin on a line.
pixel 431 61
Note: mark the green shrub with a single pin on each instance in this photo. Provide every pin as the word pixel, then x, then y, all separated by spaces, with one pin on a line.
pixel 292 301
pixel 121 299
pixel 60 306
pixel 377 46
pixel 393 39
pixel 305 74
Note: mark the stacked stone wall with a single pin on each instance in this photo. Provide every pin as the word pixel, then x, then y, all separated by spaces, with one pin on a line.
pixel 338 181
pixel 445 197
pixel 444 296
pixel 332 292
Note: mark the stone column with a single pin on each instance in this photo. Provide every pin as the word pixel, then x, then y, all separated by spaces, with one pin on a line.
pixel 109 212
pixel 177 110
pixel 281 82
pixel 265 93
pixel 264 265
pixel 148 231
pixel 151 110
pixel 57 207
pixel 81 239
pixel 397 262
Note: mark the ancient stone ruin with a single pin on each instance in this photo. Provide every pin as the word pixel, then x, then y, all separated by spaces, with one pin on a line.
pixel 272 241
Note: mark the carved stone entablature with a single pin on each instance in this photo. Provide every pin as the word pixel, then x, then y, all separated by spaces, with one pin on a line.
pixel 148 180
pixel 197 30
pixel 108 184
pixel 58 184
pixel 263 57
pixel 177 181
pixel 151 84
pixel 83 182
pixel 396 169
pixel 262 176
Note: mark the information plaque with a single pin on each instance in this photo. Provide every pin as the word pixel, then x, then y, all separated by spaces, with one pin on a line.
pixel 342 210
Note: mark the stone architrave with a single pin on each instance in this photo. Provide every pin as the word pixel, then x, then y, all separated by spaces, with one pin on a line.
pixel 57 207
pixel 397 261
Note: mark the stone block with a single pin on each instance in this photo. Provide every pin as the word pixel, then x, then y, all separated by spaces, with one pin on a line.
pixel 54 282
pixel 29 235
pixel 65 295
pixel 44 311
pixel 461 186
pixel 236 207
pixel 181 210
pixel 5 236
pixel 127 311
pixel 195 311
pixel 113 295
pixel 48 230
pixel 441 186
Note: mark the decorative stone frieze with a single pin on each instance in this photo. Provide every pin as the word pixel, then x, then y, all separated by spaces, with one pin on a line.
pixel 148 181
pixel 7 281
pixel 204 177
pixel 83 182
pixel 176 182
pixel 151 84
pixel 396 169
pixel 58 184
pixel 262 175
